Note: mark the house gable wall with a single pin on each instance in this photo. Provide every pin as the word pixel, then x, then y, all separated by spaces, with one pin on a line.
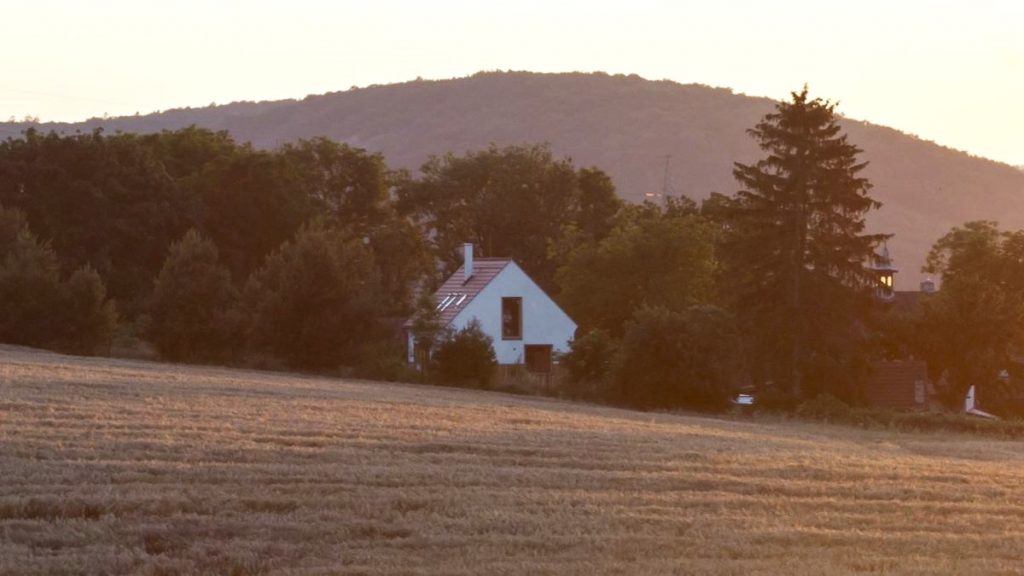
pixel 543 321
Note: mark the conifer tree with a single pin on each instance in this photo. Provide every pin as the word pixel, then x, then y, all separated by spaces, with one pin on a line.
pixel 795 247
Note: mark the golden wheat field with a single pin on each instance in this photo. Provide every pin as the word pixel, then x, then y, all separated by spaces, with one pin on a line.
pixel 110 467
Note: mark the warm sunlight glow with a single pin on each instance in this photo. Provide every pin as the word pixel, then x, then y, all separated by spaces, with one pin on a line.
pixel 952 72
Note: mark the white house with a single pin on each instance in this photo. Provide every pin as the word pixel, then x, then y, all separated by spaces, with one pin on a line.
pixel 524 323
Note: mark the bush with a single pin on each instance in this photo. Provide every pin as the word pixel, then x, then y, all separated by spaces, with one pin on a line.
pixel 825 407
pixel 465 358
pixel 589 364
pixel 678 359
pixel 385 360
pixel 774 399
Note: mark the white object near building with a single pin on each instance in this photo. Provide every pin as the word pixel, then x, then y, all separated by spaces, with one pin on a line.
pixel 524 323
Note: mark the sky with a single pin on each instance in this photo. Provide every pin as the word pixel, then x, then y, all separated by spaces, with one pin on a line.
pixel 950 72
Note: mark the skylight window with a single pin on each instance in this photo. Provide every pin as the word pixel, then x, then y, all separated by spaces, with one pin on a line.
pixel 451 300
pixel 445 302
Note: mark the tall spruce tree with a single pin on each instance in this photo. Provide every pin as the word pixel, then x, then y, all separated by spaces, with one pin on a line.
pixel 795 249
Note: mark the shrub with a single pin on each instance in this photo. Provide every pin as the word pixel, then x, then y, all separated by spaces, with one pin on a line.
pixel 465 358
pixel 590 358
pixel 386 360
pixel 825 407
pixel 678 359
pixel 589 364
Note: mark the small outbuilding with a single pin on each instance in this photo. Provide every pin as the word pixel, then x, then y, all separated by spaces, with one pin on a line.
pixel 526 326
pixel 901 385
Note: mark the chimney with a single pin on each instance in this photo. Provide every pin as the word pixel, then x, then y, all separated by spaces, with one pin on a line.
pixel 928 286
pixel 467 261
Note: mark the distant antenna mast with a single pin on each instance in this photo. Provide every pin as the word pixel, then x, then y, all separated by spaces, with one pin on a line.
pixel 664 183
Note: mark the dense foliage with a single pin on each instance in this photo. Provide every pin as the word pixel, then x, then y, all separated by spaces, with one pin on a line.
pixel 193 304
pixel 673 359
pixel 511 202
pixel 794 248
pixel 38 307
pixel 651 257
pixel 313 256
pixel 317 300
pixel 974 326
pixel 591 358
pixel 465 357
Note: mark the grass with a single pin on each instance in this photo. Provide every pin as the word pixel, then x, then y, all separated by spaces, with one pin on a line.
pixel 111 466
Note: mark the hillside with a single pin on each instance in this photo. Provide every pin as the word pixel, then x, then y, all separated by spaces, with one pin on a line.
pixel 118 467
pixel 623 124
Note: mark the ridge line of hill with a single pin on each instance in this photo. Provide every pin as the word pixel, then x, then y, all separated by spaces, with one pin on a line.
pixel 625 125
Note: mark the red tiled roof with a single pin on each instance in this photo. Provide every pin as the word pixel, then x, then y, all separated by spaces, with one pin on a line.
pixel 892 385
pixel 460 293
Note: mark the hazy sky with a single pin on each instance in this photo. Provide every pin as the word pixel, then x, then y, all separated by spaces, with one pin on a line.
pixel 952 72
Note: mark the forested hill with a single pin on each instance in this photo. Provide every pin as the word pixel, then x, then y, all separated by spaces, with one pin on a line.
pixel 623 124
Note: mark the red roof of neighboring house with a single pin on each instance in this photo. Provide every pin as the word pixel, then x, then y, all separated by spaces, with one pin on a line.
pixel 455 294
pixel 897 385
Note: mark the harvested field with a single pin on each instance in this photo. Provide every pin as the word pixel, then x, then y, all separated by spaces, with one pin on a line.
pixel 113 466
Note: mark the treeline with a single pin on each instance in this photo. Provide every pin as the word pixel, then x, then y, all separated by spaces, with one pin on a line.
pixel 305 257
pixel 311 257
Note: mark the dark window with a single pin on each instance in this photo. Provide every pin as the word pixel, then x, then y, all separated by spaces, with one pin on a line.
pixel 511 318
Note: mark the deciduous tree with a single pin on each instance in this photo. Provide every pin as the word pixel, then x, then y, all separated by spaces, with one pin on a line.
pixel 193 303
pixel 678 359
pixel 973 326
pixel 652 257
pixel 316 302
pixel 511 202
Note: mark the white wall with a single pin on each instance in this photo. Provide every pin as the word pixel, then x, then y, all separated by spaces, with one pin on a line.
pixel 543 321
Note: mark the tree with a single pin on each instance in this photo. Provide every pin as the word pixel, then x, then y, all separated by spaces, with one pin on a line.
pixel 590 361
pixel 101 201
pixel 251 202
pixel 403 260
pixel 192 304
pixel 794 246
pixel 30 289
pixel 89 317
pixel 315 302
pixel 465 357
pixel 426 328
pixel 510 202
pixel 36 307
pixel 972 327
pixel 598 203
pixel 678 359
pixel 345 184
pixel 652 257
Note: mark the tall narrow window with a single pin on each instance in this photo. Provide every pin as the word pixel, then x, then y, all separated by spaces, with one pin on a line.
pixel 511 318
